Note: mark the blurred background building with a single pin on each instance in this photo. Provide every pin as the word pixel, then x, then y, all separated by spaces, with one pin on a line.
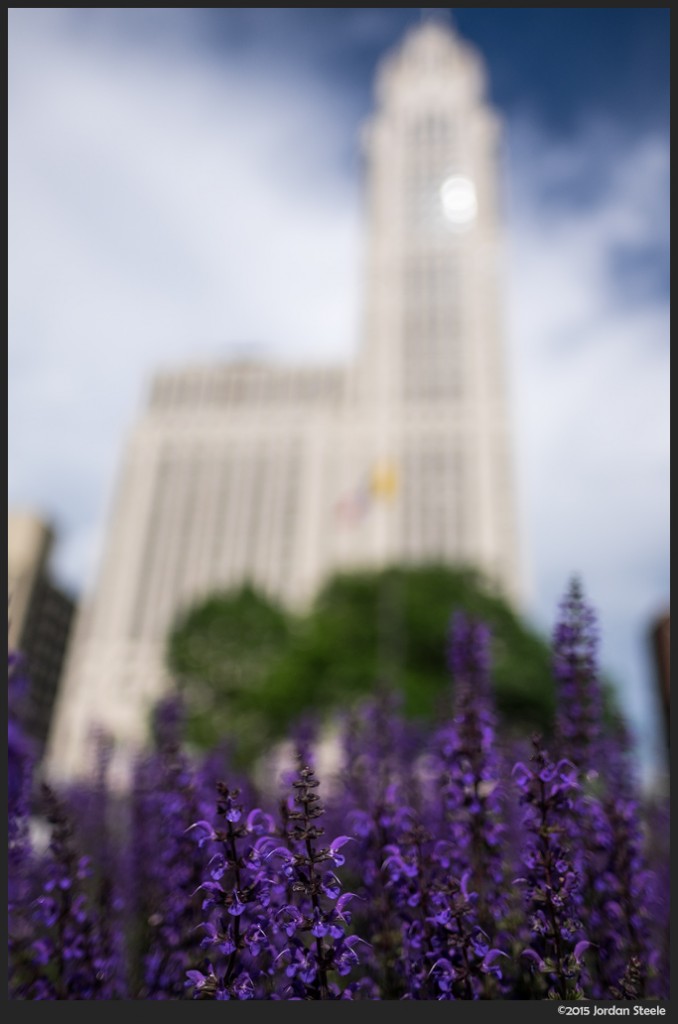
pixel 660 639
pixel 280 475
pixel 40 617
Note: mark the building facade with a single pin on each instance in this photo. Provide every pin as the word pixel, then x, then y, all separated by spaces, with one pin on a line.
pixel 281 475
pixel 40 616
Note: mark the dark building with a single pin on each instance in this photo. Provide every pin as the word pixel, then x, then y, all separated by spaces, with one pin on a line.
pixel 661 647
pixel 40 616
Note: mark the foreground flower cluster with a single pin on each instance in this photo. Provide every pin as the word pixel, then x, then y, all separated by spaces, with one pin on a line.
pixel 453 864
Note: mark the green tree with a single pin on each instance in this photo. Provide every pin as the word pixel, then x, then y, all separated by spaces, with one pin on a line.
pixel 222 652
pixel 249 670
pixel 390 629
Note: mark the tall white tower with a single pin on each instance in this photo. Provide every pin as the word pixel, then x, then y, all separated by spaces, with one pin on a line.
pixel 282 475
pixel 432 358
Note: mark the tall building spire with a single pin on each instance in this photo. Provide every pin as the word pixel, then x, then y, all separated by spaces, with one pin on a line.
pixel 441 15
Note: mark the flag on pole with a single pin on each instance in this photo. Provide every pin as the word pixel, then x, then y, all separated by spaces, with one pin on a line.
pixel 384 481
pixel 380 484
pixel 351 508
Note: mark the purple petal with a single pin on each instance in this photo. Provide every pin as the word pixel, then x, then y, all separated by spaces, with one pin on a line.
pixel 491 955
pixel 533 955
pixel 341 841
pixel 207 828
pixel 523 769
pixel 280 851
pixel 259 822
pixel 343 900
pixel 337 845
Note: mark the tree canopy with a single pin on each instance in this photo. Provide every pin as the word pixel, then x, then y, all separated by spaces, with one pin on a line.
pixel 222 652
pixel 248 668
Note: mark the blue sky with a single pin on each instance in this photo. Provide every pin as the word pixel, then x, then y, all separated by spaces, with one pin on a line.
pixel 186 184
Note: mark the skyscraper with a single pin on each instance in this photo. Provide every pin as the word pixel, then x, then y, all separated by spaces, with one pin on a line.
pixel 281 475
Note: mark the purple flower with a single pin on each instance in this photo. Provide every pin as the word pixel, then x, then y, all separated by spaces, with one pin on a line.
pixel 575 643
pixel 478 872
pixel 335 846
pixel 206 833
pixel 489 963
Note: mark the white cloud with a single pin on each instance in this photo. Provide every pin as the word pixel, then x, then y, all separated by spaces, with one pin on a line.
pixel 589 369
pixel 161 208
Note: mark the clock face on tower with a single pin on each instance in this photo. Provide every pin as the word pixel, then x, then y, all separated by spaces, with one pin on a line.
pixel 459 200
